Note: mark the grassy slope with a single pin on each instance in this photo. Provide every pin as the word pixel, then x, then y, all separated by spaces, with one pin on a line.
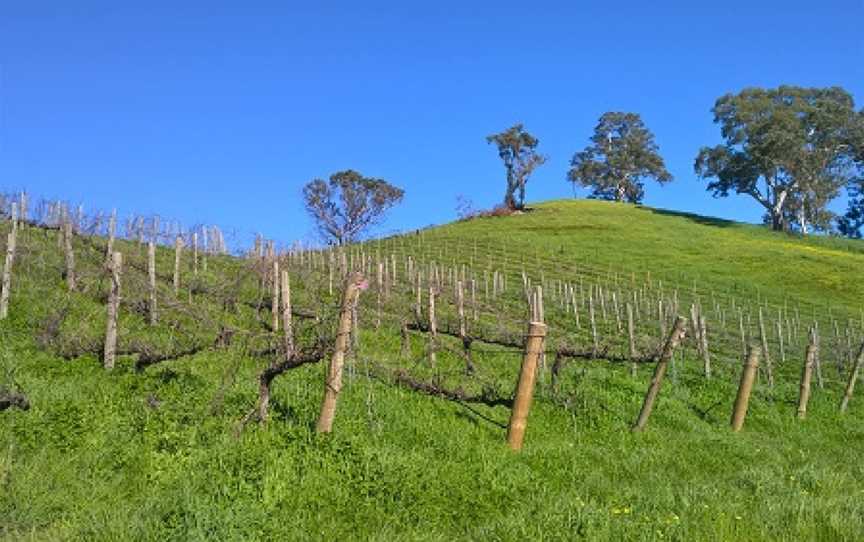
pixel 91 460
pixel 723 255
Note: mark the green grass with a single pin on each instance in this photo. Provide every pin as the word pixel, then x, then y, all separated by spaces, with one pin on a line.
pixel 94 460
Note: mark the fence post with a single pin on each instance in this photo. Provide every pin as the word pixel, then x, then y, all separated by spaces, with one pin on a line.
pixel 11 240
pixel 287 324
pixel 178 252
pixel 113 306
pixel 679 330
pixel 333 382
pixel 806 378
pixel 151 282
pixel 853 376
pixel 631 333
pixel 534 344
pixel 274 301
pixel 70 256
pixel 745 387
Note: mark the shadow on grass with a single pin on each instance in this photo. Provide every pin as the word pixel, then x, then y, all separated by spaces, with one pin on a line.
pixel 698 219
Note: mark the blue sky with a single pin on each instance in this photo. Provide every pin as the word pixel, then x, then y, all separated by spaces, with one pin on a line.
pixel 219 112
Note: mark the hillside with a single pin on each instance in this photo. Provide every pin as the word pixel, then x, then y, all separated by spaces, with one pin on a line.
pixel 155 448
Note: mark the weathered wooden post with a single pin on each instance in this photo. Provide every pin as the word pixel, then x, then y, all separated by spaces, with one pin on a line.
pixel 178 252
pixel 853 377
pixel 108 354
pixel 151 282
pixel 745 387
pixel 706 355
pixel 769 370
pixel 11 241
pixel 534 344
pixel 631 334
pixel 274 297
pixel 112 227
pixel 354 284
pixel 595 339
pixel 287 324
pixel 70 256
pixel 806 379
pixel 195 253
pixel 679 330
pixel 433 327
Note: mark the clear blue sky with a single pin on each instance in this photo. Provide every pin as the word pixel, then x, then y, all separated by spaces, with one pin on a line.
pixel 220 111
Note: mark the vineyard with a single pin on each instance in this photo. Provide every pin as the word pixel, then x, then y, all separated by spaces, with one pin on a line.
pixel 159 384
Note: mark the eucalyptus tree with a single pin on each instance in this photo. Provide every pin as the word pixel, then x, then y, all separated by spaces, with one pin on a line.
pixel 621 156
pixel 518 150
pixel 348 204
pixel 791 149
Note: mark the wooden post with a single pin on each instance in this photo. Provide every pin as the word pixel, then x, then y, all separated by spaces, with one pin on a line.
pixel 287 325
pixel 333 381
pixel 806 378
pixel 112 226
pixel 108 355
pixel 595 339
pixel 745 387
pixel 195 253
pixel 433 328
pixel 631 333
pixel 70 256
pixel 274 302
pixel 679 330
pixel 151 282
pixel 769 372
pixel 853 377
pixel 525 385
pixel 178 252
pixel 703 339
pixel 11 240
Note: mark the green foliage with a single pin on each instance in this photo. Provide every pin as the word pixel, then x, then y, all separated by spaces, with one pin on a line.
pixel 152 455
pixel 852 223
pixel 518 150
pixel 349 204
pixel 789 148
pixel 622 155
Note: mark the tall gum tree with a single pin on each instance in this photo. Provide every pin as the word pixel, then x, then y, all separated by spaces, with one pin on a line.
pixel 622 155
pixel 791 149
pixel 518 150
pixel 348 204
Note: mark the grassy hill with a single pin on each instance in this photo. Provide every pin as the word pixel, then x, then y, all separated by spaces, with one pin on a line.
pixel 154 452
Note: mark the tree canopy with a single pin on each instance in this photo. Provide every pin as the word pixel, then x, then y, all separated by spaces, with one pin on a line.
pixel 622 155
pixel 518 150
pixel 348 204
pixel 790 148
